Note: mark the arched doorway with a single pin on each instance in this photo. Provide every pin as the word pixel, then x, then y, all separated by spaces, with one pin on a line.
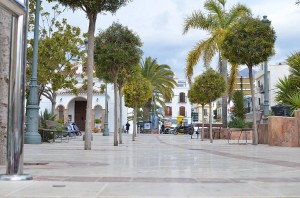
pixel 77 108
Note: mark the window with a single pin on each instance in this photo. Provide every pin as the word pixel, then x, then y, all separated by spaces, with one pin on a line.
pixel 182 111
pixel 182 97
pixel 205 112
pixel 168 111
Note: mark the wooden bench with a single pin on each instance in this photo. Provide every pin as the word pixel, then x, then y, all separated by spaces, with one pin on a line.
pixel 52 128
pixel 238 130
pixel 217 126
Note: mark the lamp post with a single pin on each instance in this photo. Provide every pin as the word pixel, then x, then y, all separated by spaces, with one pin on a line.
pixel 106 132
pixel 32 110
pixel 266 82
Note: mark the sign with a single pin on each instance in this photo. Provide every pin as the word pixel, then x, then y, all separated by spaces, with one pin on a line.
pixel 147 125
pixel 195 116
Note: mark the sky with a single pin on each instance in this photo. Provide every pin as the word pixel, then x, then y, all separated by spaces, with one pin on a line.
pixel 159 24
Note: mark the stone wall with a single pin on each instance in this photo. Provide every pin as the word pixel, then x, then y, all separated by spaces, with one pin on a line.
pixel 263 134
pixel 283 131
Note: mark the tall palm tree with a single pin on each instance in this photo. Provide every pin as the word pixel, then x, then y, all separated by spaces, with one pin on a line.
pixel 216 22
pixel 161 78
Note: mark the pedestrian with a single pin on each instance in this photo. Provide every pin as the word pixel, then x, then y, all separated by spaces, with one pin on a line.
pixel 127 127
pixel 162 129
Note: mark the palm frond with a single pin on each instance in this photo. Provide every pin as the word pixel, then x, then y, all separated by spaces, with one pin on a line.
pixel 294 101
pixel 235 13
pixel 231 81
pixel 216 9
pixel 197 21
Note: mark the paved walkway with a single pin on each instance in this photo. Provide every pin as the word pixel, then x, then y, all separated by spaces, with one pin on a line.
pixel 156 166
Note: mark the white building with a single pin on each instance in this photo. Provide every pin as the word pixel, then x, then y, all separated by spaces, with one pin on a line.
pixel 72 108
pixel 180 104
pixel 275 72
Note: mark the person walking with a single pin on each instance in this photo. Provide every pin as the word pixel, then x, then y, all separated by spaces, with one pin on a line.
pixel 127 127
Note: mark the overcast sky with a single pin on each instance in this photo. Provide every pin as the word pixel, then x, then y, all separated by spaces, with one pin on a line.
pixel 159 23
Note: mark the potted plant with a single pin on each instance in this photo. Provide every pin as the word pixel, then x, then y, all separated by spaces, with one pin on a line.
pixel 97 123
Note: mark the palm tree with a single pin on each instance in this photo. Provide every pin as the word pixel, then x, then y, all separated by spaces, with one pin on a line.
pixel 288 87
pixel 216 22
pixel 162 80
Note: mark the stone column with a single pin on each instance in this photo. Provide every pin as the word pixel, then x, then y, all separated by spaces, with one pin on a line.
pixel 5 32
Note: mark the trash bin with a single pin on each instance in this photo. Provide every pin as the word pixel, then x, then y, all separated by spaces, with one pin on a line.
pixel 281 110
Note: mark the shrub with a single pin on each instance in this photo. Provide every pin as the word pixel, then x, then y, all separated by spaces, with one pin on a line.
pixel 237 122
pixel 238 101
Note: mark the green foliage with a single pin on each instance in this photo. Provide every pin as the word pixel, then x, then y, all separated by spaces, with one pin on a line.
pixel 238 101
pixel 93 7
pixel 289 87
pixel 195 94
pixel 117 50
pixel 59 43
pixel 161 77
pixel 237 122
pixel 102 88
pixel 137 92
pixel 216 22
pixel 207 87
pixel 249 42
pixel 97 121
pixel 162 80
pixel 46 116
pixel 285 88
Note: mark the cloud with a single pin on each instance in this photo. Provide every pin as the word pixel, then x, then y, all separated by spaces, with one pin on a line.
pixel 159 23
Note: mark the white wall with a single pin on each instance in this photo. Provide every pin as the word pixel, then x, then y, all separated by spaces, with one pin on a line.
pixel 275 72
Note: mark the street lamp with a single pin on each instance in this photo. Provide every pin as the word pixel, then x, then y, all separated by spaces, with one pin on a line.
pixel 266 82
pixel 32 113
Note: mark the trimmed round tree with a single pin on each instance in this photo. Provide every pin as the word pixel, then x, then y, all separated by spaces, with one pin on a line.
pixel 117 52
pixel 211 86
pixel 196 96
pixel 249 42
pixel 137 92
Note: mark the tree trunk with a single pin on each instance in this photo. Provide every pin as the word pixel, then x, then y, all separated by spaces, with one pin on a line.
pixel 146 110
pixel 202 130
pixel 120 125
pixel 116 111
pixel 210 124
pixel 90 68
pixel 255 135
pixel 53 102
pixel 5 33
pixel 224 98
pixel 134 122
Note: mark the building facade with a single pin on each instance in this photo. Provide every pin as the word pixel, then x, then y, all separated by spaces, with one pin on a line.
pixel 275 72
pixel 72 108
pixel 180 104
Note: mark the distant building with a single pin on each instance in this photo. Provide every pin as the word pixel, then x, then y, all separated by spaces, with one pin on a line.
pixel 179 105
pixel 275 72
pixel 72 108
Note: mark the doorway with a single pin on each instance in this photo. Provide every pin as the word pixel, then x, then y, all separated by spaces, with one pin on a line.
pixel 80 114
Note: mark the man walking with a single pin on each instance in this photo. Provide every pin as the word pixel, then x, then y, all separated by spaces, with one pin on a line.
pixel 127 127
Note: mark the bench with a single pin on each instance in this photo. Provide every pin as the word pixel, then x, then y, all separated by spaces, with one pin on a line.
pixel 238 130
pixel 52 128
pixel 217 126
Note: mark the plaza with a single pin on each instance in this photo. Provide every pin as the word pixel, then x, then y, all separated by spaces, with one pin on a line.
pixel 156 166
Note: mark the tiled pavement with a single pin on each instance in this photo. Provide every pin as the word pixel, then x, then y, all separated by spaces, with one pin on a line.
pixel 156 166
